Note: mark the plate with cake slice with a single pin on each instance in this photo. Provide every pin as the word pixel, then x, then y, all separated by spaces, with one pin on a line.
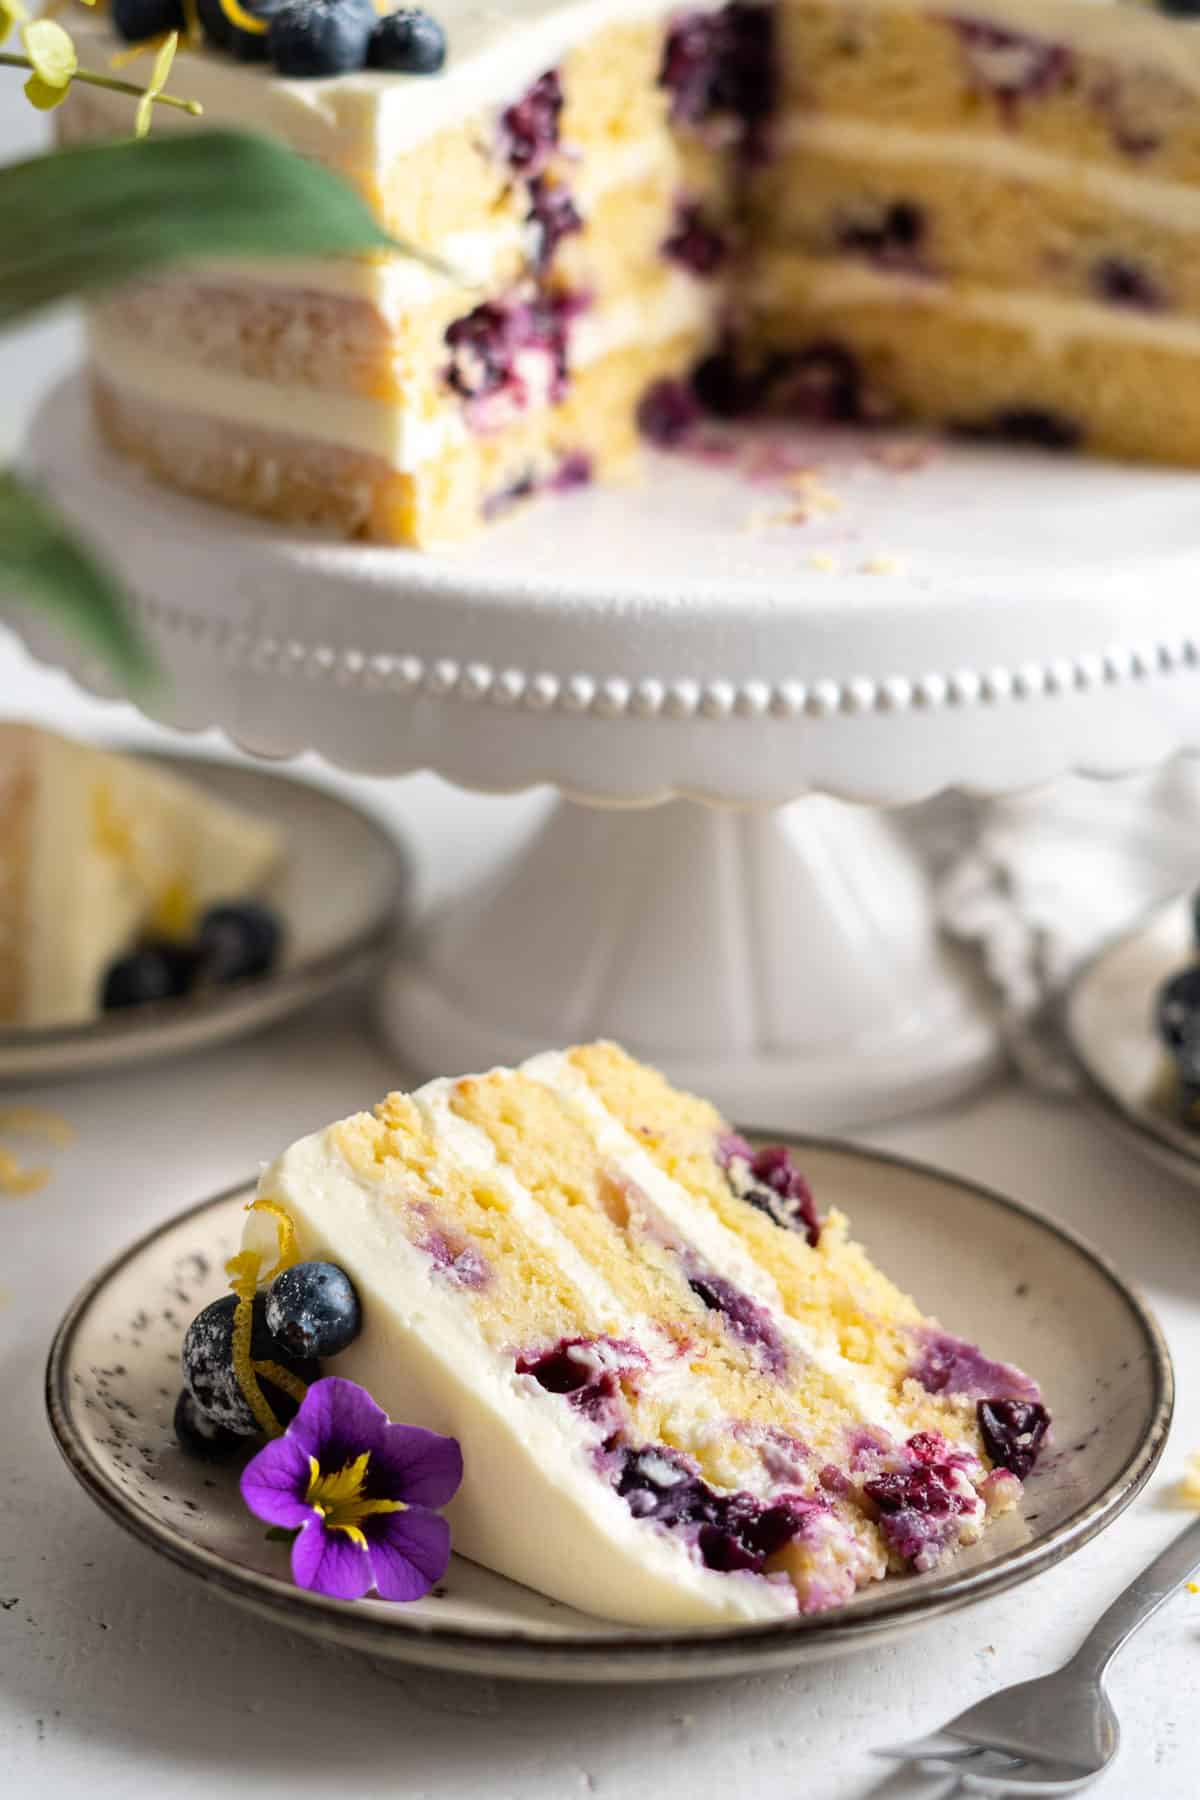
pixel 1130 1024
pixel 645 1373
pixel 151 904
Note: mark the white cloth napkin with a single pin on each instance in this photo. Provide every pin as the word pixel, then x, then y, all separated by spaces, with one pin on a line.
pixel 1041 880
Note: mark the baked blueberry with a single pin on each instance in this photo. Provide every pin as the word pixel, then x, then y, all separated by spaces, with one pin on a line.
pixel 1013 1432
pixel 134 20
pixel 408 41
pixel 157 970
pixel 321 37
pixel 209 1375
pixel 313 1310
pixel 238 941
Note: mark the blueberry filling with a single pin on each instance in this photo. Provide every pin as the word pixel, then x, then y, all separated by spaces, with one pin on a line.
pixel 574 469
pixel 1011 65
pixel 1013 1433
pixel 1029 425
pixel 771 1184
pixel 892 237
pixel 735 1531
pixel 488 344
pixel 553 216
pixel 1122 282
pixel 822 384
pixel 529 129
pixel 693 242
pixel 721 65
pixel 949 1365
pixel 746 1320
pixel 458 1262
pixel 666 413
pixel 919 1511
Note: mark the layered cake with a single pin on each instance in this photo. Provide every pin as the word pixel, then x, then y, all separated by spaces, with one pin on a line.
pixel 981 216
pixel 681 1394
pixel 110 871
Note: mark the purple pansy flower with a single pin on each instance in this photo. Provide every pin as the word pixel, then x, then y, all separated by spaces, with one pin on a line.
pixel 360 1493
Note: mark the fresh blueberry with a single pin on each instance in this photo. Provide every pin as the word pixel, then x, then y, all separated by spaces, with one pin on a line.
pixel 134 20
pixel 408 41
pixel 1177 1007
pixel 1013 1432
pixel 313 1310
pixel 208 1372
pixel 196 1432
pixel 238 941
pixel 321 37
pixel 154 971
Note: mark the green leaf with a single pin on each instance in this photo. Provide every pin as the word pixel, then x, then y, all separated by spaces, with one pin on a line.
pixel 83 219
pixel 44 564
pixel 280 1534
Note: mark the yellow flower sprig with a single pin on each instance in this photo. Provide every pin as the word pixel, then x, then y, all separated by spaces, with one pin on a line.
pixel 48 53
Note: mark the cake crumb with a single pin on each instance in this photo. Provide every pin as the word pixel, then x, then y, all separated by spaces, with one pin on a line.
pixel 903 455
pixel 815 498
pixel 824 561
pixel 1193 1587
pixel 883 563
pixel 1189 1486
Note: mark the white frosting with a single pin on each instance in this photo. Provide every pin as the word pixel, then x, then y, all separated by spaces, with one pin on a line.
pixel 1052 322
pixel 363 120
pixel 1172 204
pixel 398 435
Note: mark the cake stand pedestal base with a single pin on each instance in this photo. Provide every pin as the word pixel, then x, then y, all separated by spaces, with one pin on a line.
pixel 785 963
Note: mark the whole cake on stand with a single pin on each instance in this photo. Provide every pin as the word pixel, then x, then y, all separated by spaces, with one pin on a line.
pixel 650 647
pixel 833 212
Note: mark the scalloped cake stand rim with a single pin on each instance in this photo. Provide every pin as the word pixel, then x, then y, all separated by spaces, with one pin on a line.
pixel 509 663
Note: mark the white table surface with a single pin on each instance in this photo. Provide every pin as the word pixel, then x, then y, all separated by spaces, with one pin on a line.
pixel 118 1680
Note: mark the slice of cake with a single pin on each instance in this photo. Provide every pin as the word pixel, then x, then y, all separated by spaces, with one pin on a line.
pixel 681 1395
pixel 97 850
pixel 982 216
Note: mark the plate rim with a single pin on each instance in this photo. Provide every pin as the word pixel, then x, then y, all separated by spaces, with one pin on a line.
pixel 1161 1139
pixel 65 1051
pixel 420 1638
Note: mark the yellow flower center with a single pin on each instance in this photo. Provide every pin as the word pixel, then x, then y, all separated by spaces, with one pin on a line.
pixel 340 1501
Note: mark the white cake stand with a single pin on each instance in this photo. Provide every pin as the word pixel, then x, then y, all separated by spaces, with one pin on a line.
pixel 989 620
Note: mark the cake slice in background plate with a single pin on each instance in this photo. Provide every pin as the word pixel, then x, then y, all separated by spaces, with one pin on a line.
pixel 682 1396
pixel 96 851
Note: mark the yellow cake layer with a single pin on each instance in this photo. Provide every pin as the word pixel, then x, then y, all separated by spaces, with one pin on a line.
pixel 973 223
pixel 902 66
pixel 298 481
pixel 1120 385
pixel 833 1290
pixel 552 1154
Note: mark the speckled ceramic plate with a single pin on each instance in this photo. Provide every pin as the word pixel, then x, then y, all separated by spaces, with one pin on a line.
pixel 338 891
pixel 984 1264
pixel 1108 1032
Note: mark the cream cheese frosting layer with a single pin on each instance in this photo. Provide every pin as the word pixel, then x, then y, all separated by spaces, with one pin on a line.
pixel 364 120
pixel 1051 322
pixel 402 437
pixel 1174 205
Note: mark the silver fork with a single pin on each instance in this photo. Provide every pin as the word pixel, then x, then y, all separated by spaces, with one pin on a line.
pixel 1055 1734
